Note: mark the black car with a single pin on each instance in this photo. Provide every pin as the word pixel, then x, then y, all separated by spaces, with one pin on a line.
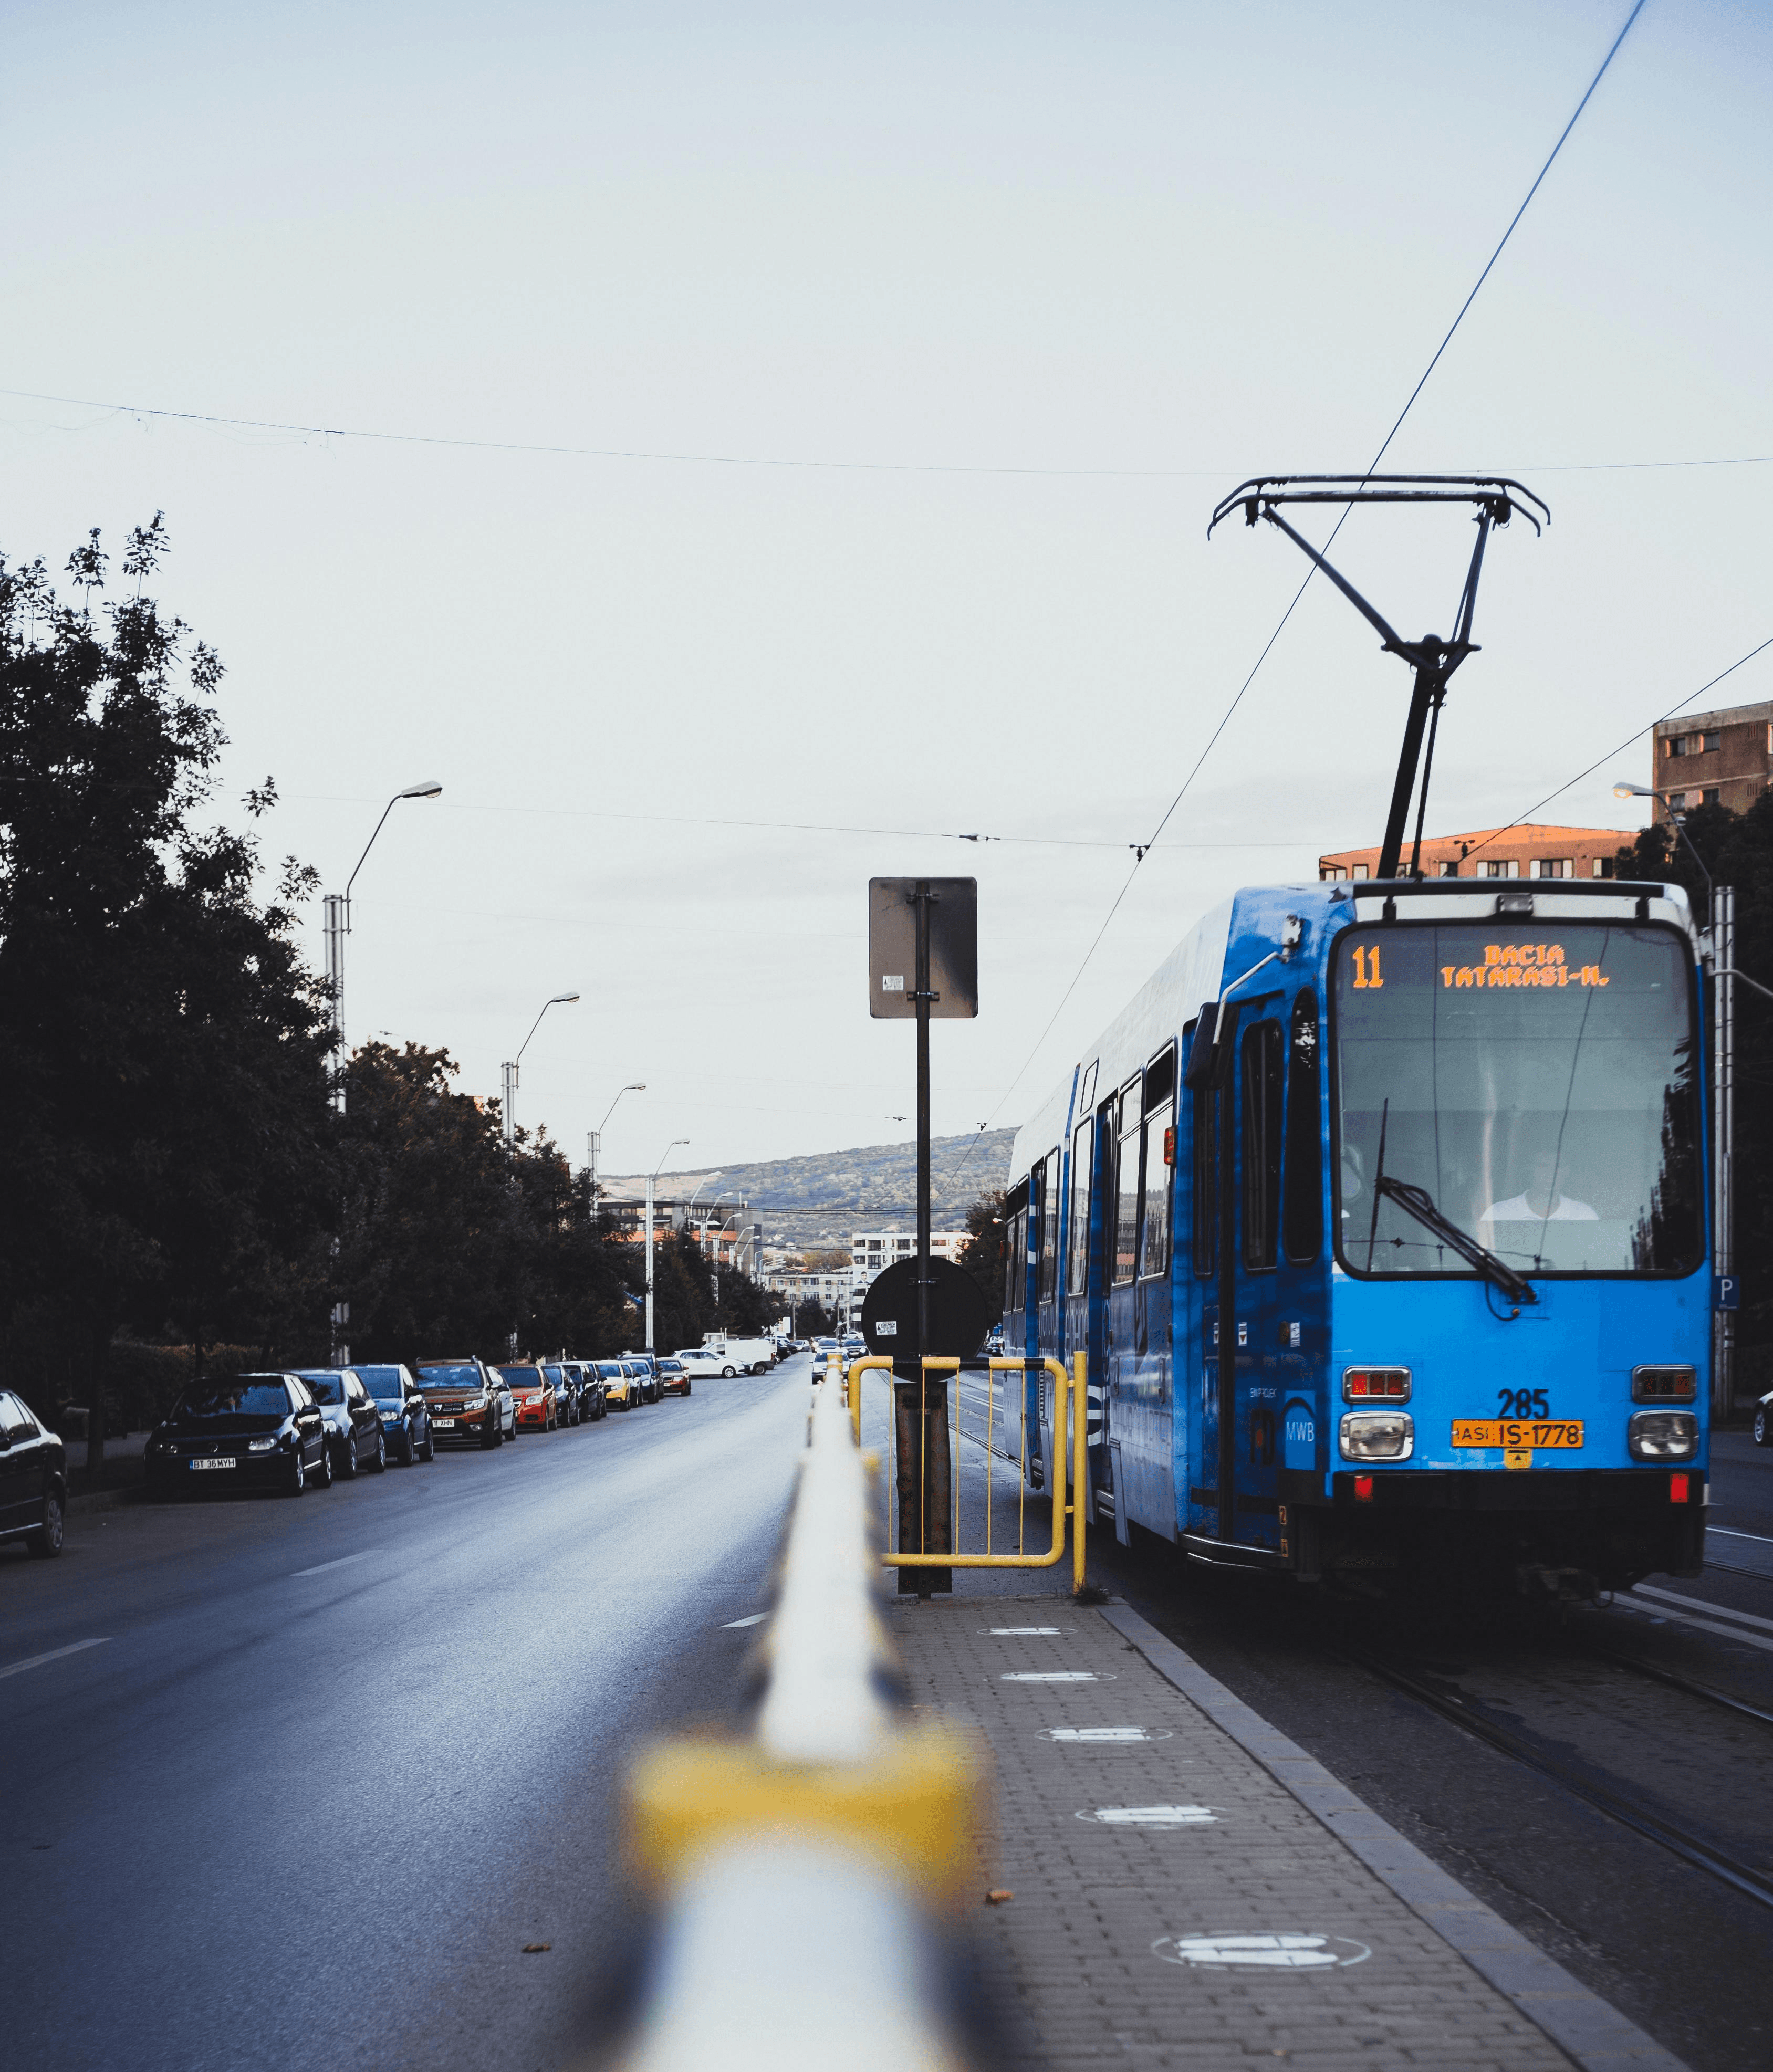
pixel 262 1430
pixel 33 1480
pixel 588 1379
pixel 649 1364
pixel 567 1407
pixel 353 1422
pixel 405 1421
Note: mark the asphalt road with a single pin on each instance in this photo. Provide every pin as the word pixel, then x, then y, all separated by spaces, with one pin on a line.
pixel 336 1759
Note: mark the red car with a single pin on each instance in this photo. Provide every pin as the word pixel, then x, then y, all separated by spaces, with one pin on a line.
pixel 533 1394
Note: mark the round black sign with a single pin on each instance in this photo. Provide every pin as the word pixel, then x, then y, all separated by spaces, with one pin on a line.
pixel 956 1312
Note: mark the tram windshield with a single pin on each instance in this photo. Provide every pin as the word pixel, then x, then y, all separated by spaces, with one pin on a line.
pixel 1536 1078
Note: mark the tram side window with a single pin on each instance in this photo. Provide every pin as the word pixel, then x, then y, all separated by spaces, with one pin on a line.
pixel 1077 1269
pixel 1160 1115
pixel 1015 1248
pixel 1260 1149
pixel 1206 1182
pixel 1302 1204
pixel 1126 1185
pixel 1049 1228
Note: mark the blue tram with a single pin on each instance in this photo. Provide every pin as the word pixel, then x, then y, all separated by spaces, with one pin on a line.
pixel 1380 1214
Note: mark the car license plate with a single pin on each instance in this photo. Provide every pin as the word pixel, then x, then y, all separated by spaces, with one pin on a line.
pixel 1517 1434
pixel 443 1423
pixel 225 1461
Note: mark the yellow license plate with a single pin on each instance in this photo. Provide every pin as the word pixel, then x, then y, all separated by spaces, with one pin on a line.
pixel 1515 1435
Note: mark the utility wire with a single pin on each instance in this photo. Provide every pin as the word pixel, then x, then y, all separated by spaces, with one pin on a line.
pixel 1268 646
pixel 1521 819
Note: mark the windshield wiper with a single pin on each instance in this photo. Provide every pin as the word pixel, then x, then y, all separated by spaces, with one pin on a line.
pixel 1418 1203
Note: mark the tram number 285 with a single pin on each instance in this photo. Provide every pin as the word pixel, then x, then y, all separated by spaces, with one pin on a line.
pixel 1523 1403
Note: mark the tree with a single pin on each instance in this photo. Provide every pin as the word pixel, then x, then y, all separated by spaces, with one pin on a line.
pixel 165 1139
pixel 1736 849
pixel 833 1259
pixel 982 1254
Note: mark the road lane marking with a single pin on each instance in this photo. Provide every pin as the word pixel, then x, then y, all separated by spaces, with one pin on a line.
pixel 1730 1532
pixel 1054 1676
pixel 756 1618
pixel 321 1567
pixel 1151 1816
pixel 1700 1604
pixel 1654 1612
pixel 55 1655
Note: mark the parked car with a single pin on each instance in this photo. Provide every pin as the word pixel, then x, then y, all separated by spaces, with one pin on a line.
pixel 263 1430
pixel 703 1364
pixel 33 1480
pixel 642 1364
pixel 532 1393
pixel 566 1390
pixel 1764 1421
pixel 406 1422
pixel 353 1423
pixel 749 1355
pixel 674 1376
pixel 470 1404
pixel 589 1382
pixel 621 1384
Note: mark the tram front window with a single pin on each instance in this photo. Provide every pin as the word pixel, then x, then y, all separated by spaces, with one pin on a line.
pixel 1537 1078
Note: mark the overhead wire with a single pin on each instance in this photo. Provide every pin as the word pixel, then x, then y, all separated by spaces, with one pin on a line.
pixel 295 429
pixel 1268 645
pixel 1522 818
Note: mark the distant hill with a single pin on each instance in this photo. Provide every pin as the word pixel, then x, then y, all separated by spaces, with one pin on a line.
pixel 829 1193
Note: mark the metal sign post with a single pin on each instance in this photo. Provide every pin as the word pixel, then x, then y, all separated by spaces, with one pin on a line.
pixel 924 962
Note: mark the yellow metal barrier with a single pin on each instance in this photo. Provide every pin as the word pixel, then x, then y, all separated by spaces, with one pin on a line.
pixel 1069 1394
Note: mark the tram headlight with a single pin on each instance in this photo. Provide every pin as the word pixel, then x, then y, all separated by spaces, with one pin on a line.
pixel 1378 1435
pixel 1663 1435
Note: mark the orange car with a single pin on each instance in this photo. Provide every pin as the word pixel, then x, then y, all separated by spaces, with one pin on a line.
pixel 532 1394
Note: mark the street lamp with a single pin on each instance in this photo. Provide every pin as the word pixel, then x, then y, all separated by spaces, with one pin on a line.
pixel 651 1177
pixel 510 1070
pixel 594 1138
pixel 1677 820
pixel 338 924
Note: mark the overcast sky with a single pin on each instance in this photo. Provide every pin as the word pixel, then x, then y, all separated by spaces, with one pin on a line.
pixel 958 319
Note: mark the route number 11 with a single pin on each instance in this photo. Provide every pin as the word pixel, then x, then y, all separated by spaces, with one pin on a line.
pixel 1366 960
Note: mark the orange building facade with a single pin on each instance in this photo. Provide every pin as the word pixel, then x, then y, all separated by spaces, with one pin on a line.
pixel 1534 849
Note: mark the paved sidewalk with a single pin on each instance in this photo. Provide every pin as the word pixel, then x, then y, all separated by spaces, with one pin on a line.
pixel 1190 1889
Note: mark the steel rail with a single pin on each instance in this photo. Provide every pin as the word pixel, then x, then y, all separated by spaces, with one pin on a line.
pixel 1686 1684
pixel 1617 1805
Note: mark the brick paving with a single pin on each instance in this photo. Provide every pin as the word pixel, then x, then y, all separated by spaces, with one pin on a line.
pixel 1111 1951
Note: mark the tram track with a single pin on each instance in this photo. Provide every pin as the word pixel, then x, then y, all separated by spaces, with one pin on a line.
pixel 1676 1682
pixel 1617 1804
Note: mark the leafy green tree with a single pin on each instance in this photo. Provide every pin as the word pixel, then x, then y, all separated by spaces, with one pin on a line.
pixel 1736 849
pixel 164 1144
pixel 982 1254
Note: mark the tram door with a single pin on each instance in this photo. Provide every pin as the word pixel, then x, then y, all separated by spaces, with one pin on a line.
pixel 1250 1437
pixel 1103 1222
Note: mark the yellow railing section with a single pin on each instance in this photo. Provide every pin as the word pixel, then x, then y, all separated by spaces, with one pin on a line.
pixel 1070 1417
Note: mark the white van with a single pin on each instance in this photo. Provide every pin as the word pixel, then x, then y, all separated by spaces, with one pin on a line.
pixel 749 1355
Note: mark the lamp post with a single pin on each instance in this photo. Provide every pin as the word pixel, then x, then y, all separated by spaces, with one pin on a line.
pixel 338 925
pixel 510 1070
pixel 651 1178
pixel 1721 915
pixel 594 1138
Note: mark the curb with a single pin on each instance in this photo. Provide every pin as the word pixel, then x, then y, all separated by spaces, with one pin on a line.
pixel 1593 2033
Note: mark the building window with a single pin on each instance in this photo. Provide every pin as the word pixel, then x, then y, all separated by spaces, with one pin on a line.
pixel 1709 796
pixel 1677 802
pixel 1508 867
pixel 1604 867
pixel 1675 744
pixel 1709 743
pixel 1360 871
pixel 1328 873
pixel 1450 869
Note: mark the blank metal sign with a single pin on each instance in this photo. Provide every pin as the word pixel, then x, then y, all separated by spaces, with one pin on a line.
pixel 892 948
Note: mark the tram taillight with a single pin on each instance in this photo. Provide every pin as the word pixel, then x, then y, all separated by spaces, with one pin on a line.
pixel 1664 1384
pixel 1375 1384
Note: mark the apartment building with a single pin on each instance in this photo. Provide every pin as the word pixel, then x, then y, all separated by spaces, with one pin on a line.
pixel 1715 758
pixel 1535 849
